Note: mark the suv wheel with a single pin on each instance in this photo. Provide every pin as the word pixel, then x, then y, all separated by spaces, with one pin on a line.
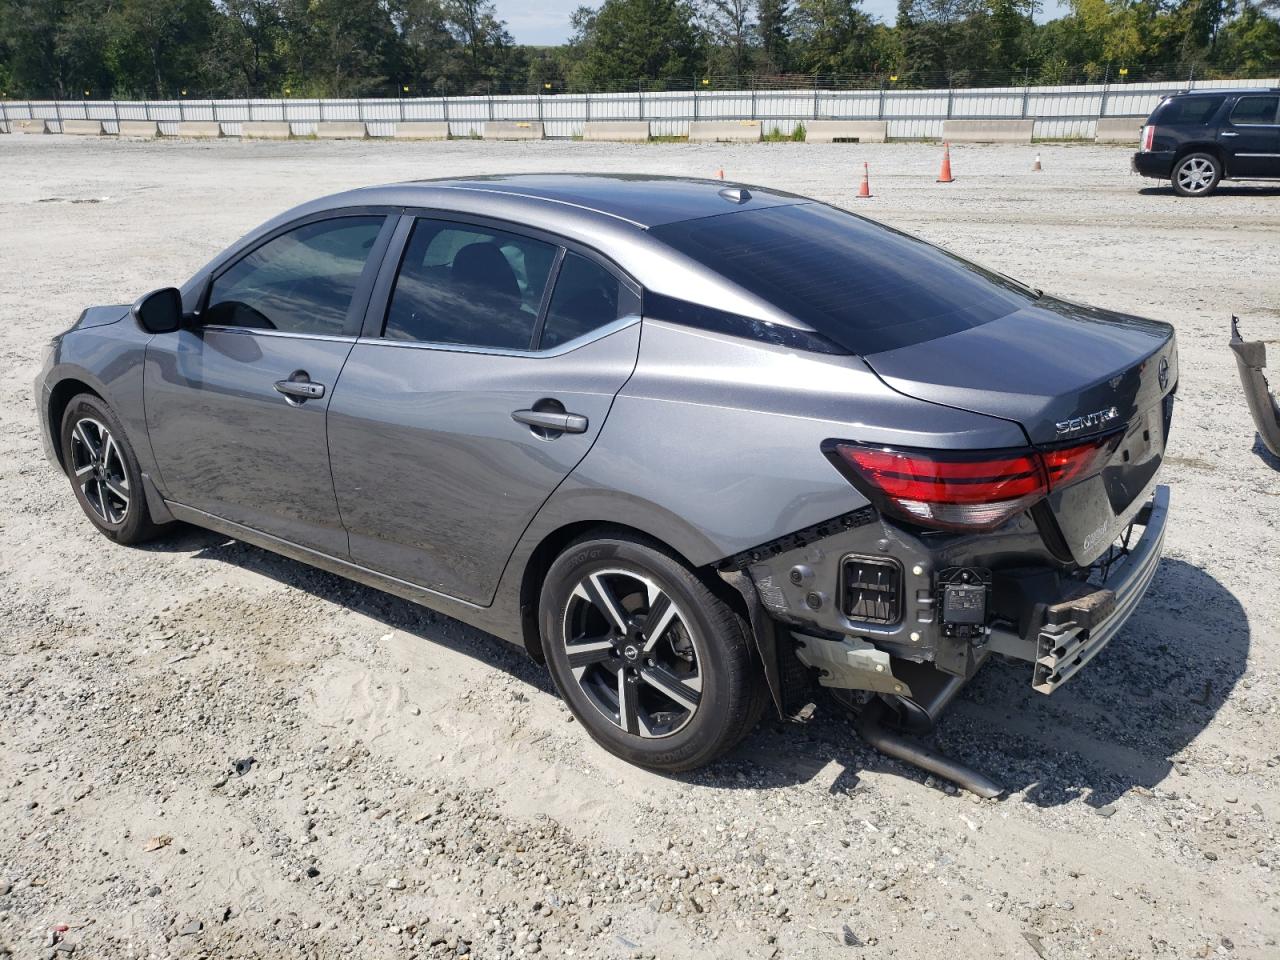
pixel 1196 175
pixel 655 666
pixel 104 473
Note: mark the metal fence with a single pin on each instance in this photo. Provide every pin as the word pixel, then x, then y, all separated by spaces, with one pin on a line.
pixel 1059 112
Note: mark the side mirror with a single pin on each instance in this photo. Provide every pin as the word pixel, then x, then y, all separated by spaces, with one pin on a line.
pixel 159 311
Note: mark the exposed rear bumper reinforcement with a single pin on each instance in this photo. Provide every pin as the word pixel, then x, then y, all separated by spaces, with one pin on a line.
pixel 1251 360
pixel 1078 628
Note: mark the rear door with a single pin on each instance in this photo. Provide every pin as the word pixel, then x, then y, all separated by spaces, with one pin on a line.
pixel 1252 135
pixel 490 358
pixel 236 405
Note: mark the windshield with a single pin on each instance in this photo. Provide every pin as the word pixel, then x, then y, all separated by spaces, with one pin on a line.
pixel 863 285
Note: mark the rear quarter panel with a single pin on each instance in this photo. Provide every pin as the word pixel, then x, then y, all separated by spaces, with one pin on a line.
pixel 714 444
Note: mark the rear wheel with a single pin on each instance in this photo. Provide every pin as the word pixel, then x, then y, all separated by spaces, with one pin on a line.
pixel 104 472
pixel 656 667
pixel 1196 175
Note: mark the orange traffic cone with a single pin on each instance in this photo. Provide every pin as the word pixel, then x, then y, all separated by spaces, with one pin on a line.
pixel 721 174
pixel 1035 167
pixel 864 189
pixel 944 175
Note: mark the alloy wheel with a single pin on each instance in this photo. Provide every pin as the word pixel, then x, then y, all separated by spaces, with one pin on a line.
pixel 97 468
pixel 1196 175
pixel 633 652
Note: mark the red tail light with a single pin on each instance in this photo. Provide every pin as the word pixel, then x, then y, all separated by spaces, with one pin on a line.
pixel 1148 137
pixel 965 491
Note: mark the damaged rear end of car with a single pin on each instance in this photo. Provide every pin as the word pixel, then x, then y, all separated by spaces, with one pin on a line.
pixel 1037 547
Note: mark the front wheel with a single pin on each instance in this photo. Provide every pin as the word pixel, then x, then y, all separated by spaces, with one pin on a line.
pixel 1196 175
pixel 104 472
pixel 654 665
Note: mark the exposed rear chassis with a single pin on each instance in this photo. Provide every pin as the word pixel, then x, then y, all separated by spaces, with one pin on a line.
pixel 1073 632
pixel 1251 359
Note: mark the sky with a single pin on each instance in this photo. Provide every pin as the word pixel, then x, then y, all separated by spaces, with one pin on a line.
pixel 547 21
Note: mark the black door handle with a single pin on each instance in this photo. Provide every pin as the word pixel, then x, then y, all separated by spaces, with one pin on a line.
pixel 299 386
pixel 552 421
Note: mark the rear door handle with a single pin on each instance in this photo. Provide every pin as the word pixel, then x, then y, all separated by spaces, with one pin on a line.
pixel 551 420
pixel 300 389
pixel 1228 133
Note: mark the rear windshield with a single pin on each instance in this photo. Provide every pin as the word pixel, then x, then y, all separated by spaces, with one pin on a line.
pixel 862 285
pixel 1187 110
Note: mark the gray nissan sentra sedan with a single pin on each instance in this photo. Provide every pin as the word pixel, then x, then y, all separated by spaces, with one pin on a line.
pixel 695 446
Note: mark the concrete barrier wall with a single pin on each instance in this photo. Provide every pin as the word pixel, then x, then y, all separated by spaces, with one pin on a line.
pixel 834 131
pixel 724 131
pixel 620 131
pixel 82 128
pixel 199 128
pixel 421 130
pixel 341 130
pixel 1119 129
pixel 988 131
pixel 139 128
pixel 265 130
pixel 28 126
pixel 513 130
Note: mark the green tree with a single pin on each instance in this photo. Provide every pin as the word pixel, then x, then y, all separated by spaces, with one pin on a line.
pixel 833 36
pixel 154 47
pixel 630 40
pixel 773 35
pixel 728 25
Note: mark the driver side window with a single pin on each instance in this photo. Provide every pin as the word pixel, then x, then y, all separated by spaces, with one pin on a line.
pixel 300 282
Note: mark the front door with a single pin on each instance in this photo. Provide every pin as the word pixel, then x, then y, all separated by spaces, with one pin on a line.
pixel 1252 136
pixel 236 406
pixel 487 379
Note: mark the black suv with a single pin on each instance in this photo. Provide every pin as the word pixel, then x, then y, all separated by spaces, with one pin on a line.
pixel 1196 139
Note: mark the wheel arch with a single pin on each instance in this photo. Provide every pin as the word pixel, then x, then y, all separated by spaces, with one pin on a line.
pixel 63 392
pixel 1202 146
pixel 553 543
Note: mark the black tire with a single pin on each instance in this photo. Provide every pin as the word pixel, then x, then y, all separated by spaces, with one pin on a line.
pixel 1196 175
pixel 112 496
pixel 730 694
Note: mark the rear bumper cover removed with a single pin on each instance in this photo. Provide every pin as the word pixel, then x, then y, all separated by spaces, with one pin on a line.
pixel 1076 630
pixel 1251 360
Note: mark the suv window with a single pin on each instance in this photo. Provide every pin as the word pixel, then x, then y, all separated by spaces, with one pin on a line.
pixel 586 296
pixel 1255 110
pixel 300 282
pixel 470 285
pixel 1187 110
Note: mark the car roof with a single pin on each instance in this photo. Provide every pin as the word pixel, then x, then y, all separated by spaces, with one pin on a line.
pixel 641 200
pixel 1224 91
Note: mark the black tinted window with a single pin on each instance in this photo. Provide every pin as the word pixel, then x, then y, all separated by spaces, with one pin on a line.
pixel 1187 110
pixel 469 285
pixel 300 282
pixel 1255 110
pixel 862 285
pixel 585 297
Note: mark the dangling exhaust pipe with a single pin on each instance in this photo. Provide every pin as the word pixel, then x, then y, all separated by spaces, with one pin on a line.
pixel 932 690
pixel 900 747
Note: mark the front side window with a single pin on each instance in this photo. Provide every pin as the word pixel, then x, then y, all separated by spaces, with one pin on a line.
pixel 469 285
pixel 300 282
pixel 1255 110
pixel 586 296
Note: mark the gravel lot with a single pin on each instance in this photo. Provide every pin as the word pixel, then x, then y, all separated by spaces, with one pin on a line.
pixel 418 789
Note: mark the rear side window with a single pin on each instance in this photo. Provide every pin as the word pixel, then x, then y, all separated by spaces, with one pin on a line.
pixel 469 285
pixel 1255 110
pixel 1187 110
pixel 862 285
pixel 586 296
pixel 300 282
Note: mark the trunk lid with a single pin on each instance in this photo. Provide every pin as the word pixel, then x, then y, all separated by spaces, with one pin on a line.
pixel 1064 372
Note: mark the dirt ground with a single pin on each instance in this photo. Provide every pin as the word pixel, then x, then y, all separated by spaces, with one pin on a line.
pixel 417 788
